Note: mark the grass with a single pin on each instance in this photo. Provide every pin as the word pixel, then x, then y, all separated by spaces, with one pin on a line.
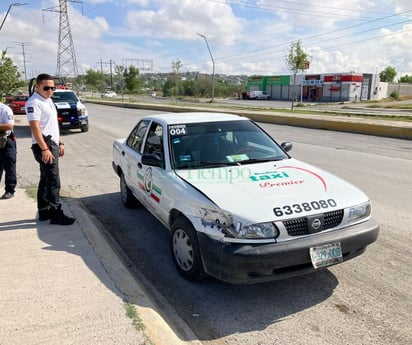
pixel 31 191
pixel 131 312
pixel 383 103
pixel 137 322
pixel 399 106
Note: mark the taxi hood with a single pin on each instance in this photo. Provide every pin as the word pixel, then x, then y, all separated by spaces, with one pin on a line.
pixel 252 191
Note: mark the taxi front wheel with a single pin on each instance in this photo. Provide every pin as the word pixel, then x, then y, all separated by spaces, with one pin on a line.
pixel 185 249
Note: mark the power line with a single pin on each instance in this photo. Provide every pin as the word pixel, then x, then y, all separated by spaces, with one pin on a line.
pixel 254 54
pixel 303 9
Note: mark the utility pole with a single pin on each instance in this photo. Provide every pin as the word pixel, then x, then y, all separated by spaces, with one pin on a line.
pixel 111 63
pixel 24 58
pixel 66 57
pixel 213 63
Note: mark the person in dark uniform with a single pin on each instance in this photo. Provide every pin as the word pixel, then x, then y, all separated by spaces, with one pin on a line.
pixel 47 148
pixel 8 150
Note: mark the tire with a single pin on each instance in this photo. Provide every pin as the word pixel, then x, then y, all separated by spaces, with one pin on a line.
pixel 185 250
pixel 84 128
pixel 128 199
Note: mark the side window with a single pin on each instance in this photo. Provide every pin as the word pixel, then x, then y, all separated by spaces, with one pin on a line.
pixel 135 139
pixel 154 142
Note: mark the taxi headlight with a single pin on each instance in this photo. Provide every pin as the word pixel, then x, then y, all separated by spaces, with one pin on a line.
pixel 254 231
pixel 223 222
pixel 360 211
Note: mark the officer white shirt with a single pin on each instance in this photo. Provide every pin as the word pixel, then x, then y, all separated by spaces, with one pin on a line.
pixel 6 116
pixel 43 110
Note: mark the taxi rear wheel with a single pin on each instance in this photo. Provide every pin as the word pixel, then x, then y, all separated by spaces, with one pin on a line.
pixel 128 199
pixel 185 250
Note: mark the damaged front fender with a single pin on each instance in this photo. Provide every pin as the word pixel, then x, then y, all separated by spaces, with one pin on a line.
pixel 221 225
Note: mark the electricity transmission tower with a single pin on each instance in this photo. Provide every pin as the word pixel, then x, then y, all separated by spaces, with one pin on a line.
pixel 66 57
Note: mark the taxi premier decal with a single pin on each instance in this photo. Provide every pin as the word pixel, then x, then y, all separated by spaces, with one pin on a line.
pixel 267 178
pixel 271 175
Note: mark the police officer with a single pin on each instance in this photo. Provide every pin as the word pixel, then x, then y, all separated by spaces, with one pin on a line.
pixel 47 148
pixel 7 150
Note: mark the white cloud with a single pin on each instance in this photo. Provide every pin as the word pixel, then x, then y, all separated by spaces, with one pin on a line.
pixel 343 36
pixel 182 19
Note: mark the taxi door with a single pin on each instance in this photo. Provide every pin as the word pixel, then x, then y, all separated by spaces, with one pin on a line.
pixel 131 157
pixel 152 178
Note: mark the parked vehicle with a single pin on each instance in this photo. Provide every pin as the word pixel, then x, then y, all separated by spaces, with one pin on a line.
pixel 237 206
pixel 18 103
pixel 258 95
pixel 108 94
pixel 71 112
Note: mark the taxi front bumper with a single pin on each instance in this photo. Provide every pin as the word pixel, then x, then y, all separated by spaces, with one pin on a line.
pixel 253 263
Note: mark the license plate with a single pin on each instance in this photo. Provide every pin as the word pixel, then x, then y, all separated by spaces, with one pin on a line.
pixel 329 254
pixel 65 123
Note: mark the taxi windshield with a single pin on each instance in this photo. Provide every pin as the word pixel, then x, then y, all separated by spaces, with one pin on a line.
pixel 214 144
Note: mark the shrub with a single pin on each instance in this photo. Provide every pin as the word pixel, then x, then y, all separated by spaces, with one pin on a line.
pixel 394 94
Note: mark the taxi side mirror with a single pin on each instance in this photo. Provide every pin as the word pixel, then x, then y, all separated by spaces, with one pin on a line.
pixel 286 146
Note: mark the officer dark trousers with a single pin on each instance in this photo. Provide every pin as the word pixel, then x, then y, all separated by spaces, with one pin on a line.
pixel 48 192
pixel 8 164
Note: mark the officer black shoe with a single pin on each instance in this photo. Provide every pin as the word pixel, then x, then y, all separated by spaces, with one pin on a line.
pixel 44 214
pixel 7 195
pixel 58 217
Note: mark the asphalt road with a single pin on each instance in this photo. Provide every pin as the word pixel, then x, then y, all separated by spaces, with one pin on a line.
pixel 365 301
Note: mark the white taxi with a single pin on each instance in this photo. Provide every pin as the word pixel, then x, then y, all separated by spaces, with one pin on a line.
pixel 238 207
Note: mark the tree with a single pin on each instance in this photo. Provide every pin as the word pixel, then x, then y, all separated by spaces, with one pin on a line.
pixel 406 79
pixel 168 87
pixel 388 74
pixel 94 79
pixel 296 60
pixel 9 73
pixel 131 79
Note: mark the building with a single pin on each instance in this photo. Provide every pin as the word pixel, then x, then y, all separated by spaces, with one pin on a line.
pixel 328 87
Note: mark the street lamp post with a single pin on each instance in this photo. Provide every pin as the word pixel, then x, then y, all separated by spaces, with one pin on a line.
pixel 7 13
pixel 213 63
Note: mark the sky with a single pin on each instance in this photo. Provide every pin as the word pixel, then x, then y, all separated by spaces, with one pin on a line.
pixel 245 37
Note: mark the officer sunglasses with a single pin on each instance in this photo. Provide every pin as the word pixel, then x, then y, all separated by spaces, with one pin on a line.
pixel 47 88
